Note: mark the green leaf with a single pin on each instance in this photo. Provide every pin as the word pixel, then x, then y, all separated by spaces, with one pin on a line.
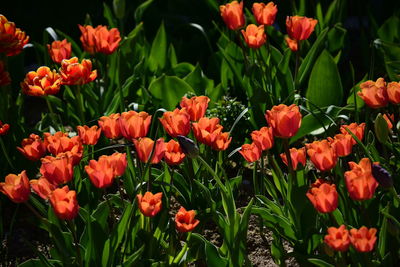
pixel 158 52
pixel 107 13
pixel 391 53
pixel 320 263
pixel 198 81
pixel 381 129
pixel 325 87
pixel 39 263
pixel 169 90
pixel 141 9
pixel 119 8
pixel 336 38
pixel 382 235
pixel 135 256
pixel 389 31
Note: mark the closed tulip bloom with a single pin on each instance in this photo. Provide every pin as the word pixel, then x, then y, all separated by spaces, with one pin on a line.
pixel 264 138
pixel 389 120
pixel 195 106
pixel 42 82
pixel 374 94
pixel 99 39
pixel 343 144
pixel 265 13
pixel 356 129
pixel 188 146
pixel 222 142
pixel 4 75
pixel 89 136
pixel 88 38
pixel 250 152
pixel 12 39
pixel 149 204
pixel 16 187
pixel 75 73
pixel 185 221
pixel 4 127
pixel 58 170
pixel 144 147
pixel 59 50
pixel 64 202
pixel 118 163
pixel 134 124
pixel 232 14
pixel 323 196
pixel 61 143
pixel 300 28
pixel 338 238
pixel 110 126
pixel 100 172
pixel 393 91
pixel 297 156
pixel 359 180
pixel 322 155
pixel 284 120
pixel 292 44
pixel 363 239
pixel 206 130
pixel 176 122
pixel 42 187
pixel 381 175
pixel 33 147
pixel 254 36
pixel 173 153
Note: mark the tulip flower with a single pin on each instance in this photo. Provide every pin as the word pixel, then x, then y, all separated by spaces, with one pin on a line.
pixel 338 238
pixel 195 106
pixel 300 28
pixel 110 126
pixel 42 82
pixel 207 130
pixel 284 120
pixel 4 75
pixel 343 144
pixel 265 13
pixel 374 94
pixel 176 122
pixel 101 172
pixel 149 204
pixel 254 36
pixel 75 73
pixel 185 221
pixel 322 155
pixel 359 180
pixel 12 39
pixel 99 39
pixel 221 142
pixel 42 187
pixel 61 143
pixel 173 153
pixel 134 125
pixel 16 187
pixel 64 202
pixel 232 15
pixel 251 152
pixel 144 147
pixel 363 239
pixel 323 196
pixel 297 156
pixel 33 147
pixel 292 44
pixel 4 127
pixel 118 163
pixel 89 136
pixel 393 91
pixel 356 129
pixel 264 138
pixel 58 170
pixel 59 50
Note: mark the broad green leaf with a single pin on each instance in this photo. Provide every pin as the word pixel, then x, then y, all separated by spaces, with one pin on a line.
pixel 336 38
pixel 198 81
pixel 158 52
pixel 40 263
pixel 391 53
pixel 381 129
pixel 107 13
pixel 182 69
pixel 389 31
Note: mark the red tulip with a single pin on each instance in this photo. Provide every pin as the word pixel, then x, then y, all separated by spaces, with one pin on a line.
pixel 232 14
pixel 16 187
pixel 284 120
pixel 185 221
pixel 338 238
pixel 149 204
pixel 176 122
pixel 195 106
pixel 144 147
pixel 323 196
pixel 363 239
pixel 359 180
pixel 64 202
pixel 33 147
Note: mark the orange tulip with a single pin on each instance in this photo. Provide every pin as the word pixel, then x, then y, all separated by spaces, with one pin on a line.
pixel 110 126
pixel 359 180
pixel 265 13
pixel 195 106
pixel 322 155
pixel 185 221
pixel 33 147
pixel 75 73
pixel 393 91
pixel 338 238
pixel 343 144
pixel 374 94
pixel 297 156
pixel 12 39
pixel 356 129
pixel 323 196
pixel 363 239
pixel 254 36
pixel 263 138
pixel 232 14
pixel 389 120
pixel 134 125
pixel 89 136
pixel 100 172
pixel 118 163
pixel 4 127
pixel 292 44
pixel 176 122
pixel 207 130
pixel 64 203
pixel 284 120
pixel 300 28
pixel 144 147
pixel 60 143
pixel 221 142
pixel 16 187
pixel 99 39
pixel 59 50
pixel 58 170
pixel 251 152
pixel 173 153
pixel 41 82
pixel 149 204
pixel 4 75
pixel 42 187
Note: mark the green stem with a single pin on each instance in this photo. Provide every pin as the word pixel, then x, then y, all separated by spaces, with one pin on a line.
pixel 290 164
pixel 81 107
pixel 296 69
pixel 216 178
pixel 3 147
pixel 121 95
pixel 183 251
pixel 71 225
pixel 255 181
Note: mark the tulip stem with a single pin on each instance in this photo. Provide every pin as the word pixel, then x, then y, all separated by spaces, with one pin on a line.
pixel 296 69
pixel 255 182
pixel 5 153
pixel 183 251
pixel 81 107
pixel 76 241
pixel 110 207
pixel 289 160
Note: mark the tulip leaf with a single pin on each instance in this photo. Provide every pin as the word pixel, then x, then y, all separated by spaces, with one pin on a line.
pixel 198 81
pixel 107 13
pixel 320 263
pixel 141 9
pixel 325 87
pixel 381 129
pixel 158 53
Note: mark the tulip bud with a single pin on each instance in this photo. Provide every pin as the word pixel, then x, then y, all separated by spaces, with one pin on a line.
pixel 188 146
pixel 119 8
pixel 382 176
pixel 381 129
